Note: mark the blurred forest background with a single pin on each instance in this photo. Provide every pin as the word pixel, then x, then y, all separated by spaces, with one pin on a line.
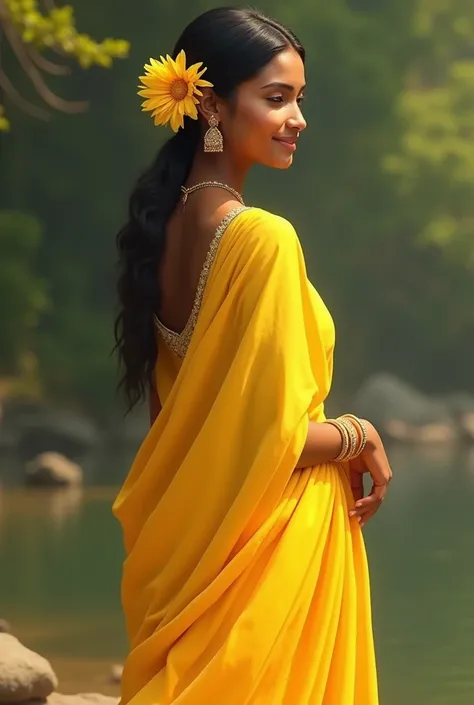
pixel 382 195
pixel 382 191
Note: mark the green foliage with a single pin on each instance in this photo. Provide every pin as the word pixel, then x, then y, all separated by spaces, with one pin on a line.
pixel 381 192
pixel 73 349
pixel 22 294
pixel 4 123
pixel 435 163
pixel 56 31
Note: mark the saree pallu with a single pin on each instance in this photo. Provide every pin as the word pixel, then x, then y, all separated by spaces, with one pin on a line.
pixel 245 582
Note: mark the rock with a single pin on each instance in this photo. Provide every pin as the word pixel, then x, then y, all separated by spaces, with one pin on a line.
pixel 79 699
pixel 52 470
pixel 461 406
pixel 116 673
pixel 63 432
pixel 4 627
pixel 467 425
pixel 24 674
pixel 403 413
pixel 62 503
pixel 82 699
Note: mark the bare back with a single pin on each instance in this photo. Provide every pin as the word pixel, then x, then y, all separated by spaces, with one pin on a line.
pixel 189 234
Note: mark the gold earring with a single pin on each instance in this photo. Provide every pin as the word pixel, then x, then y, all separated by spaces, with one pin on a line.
pixel 213 140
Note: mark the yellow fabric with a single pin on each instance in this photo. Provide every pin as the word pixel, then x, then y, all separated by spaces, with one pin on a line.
pixel 245 581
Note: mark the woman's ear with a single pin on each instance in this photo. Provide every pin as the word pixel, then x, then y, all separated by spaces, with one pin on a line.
pixel 208 105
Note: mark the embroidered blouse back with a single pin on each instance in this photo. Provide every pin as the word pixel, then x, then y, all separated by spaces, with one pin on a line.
pixel 179 342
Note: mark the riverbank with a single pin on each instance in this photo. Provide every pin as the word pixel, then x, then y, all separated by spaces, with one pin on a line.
pixel 61 558
pixel 27 676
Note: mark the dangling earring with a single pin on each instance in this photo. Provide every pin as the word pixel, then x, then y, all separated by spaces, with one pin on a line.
pixel 213 140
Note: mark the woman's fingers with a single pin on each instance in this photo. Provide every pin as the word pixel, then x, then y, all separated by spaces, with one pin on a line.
pixel 363 520
pixel 378 466
pixel 373 460
pixel 357 484
pixel 366 507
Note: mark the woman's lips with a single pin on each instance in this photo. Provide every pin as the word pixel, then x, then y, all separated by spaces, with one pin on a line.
pixel 288 143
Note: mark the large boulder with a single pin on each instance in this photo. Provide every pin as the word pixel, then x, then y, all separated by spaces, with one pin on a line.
pixel 403 413
pixel 52 470
pixel 24 674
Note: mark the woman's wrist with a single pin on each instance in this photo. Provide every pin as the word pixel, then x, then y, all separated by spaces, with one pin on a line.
pixel 333 440
pixel 354 436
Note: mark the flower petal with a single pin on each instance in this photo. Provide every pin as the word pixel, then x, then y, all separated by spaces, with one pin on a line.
pixel 160 96
pixel 167 104
pixel 154 82
pixel 155 70
pixel 190 108
pixel 201 72
pixel 156 87
pixel 157 64
pixel 173 69
pixel 193 71
pixel 159 120
pixel 151 93
pixel 181 63
pixel 204 84
pixel 176 120
pixel 162 116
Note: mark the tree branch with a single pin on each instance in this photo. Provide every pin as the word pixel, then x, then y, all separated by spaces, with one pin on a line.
pixel 18 100
pixel 46 65
pixel 50 98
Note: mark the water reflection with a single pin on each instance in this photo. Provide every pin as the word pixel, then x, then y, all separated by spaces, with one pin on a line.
pixel 63 554
pixel 423 579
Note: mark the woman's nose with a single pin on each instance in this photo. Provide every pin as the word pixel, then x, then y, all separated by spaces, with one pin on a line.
pixel 297 120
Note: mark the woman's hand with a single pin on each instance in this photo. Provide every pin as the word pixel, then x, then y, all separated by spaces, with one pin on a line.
pixel 373 460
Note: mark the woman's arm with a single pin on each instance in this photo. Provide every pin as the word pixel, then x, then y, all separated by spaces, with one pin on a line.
pixel 323 444
pixel 155 405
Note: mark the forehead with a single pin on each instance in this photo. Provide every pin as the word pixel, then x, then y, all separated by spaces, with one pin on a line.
pixel 285 67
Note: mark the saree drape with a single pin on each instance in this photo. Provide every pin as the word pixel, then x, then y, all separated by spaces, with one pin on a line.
pixel 245 582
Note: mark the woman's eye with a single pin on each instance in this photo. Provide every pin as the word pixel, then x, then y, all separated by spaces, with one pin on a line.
pixel 280 99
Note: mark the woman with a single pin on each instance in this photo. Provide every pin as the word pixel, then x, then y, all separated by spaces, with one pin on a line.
pixel 245 581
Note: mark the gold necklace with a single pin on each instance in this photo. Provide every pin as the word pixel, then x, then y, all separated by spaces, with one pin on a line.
pixel 210 184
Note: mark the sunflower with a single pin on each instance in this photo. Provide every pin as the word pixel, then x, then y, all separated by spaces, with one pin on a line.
pixel 171 89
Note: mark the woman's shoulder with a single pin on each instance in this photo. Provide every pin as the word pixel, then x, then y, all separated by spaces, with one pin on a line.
pixel 268 230
pixel 260 242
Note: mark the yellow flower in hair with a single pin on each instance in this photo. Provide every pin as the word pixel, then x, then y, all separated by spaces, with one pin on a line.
pixel 171 89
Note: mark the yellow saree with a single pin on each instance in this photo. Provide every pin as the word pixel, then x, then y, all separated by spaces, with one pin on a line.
pixel 245 581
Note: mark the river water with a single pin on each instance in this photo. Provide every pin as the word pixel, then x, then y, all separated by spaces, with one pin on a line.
pixel 61 553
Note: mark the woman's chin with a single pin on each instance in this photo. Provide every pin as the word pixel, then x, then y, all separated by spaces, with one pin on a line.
pixel 285 163
pixel 280 163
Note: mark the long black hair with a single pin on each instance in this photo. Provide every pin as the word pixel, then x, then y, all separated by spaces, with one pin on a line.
pixel 234 44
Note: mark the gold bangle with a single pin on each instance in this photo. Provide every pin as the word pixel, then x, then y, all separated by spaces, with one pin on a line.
pixel 353 436
pixel 345 439
pixel 362 429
